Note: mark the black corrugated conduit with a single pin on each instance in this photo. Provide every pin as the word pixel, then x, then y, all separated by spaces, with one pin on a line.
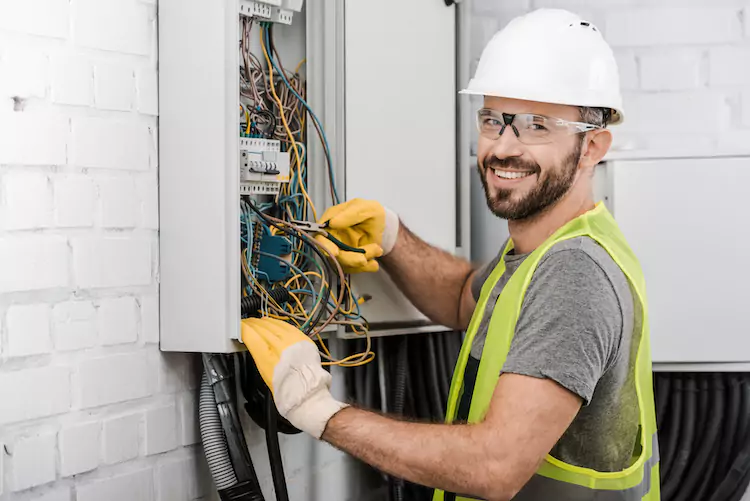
pixel 673 435
pixel 684 445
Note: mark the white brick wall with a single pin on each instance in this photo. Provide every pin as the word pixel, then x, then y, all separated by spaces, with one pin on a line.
pixel 85 395
pixel 684 65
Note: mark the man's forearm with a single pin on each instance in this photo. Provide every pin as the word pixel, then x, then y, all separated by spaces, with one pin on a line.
pixel 455 458
pixel 431 278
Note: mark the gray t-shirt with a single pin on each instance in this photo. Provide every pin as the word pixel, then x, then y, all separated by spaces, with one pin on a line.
pixel 576 327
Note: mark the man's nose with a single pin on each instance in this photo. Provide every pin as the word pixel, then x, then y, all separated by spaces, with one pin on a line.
pixel 506 144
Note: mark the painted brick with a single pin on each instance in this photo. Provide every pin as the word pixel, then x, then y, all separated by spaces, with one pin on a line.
pixel 148 193
pixel 188 408
pixel 24 74
pixel 114 87
pixel 79 448
pixel 628 68
pixel 24 16
pixel 117 378
pixel 138 485
pixel 93 259
pixel 672 26
pixel 161 430
pixel 28 330
pixel 746 108
pixel 33 139
pixel 118 201
pixel 74 325
pixel 746 19
pixel 72 79
pixel 147 91
pixel 2 468
pixel 150 319
pixel 117 321
pixel 172 480
pixel 33 461
pixel 75 200
pixel 33 262
pixel 729 66
pixel 121 438
pixel 117 25
pixel 28 201
pixel 667 112
pixel 672 70
pixel 110 144
pixel 50 387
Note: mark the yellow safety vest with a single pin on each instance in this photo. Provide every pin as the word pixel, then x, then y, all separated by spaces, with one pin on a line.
pixel 555 479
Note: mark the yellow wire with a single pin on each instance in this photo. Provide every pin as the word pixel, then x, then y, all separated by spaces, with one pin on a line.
pixel 286 125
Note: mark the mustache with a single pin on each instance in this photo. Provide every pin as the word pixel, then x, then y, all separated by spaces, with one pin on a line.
pixel 515 163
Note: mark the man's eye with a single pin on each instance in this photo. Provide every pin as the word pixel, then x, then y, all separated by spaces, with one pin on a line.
pixel 537 128
pixel 491 122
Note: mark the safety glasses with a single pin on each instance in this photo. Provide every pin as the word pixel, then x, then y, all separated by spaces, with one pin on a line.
pixel 528 127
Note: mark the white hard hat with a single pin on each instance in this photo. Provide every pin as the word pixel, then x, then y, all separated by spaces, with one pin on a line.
pixel 550 56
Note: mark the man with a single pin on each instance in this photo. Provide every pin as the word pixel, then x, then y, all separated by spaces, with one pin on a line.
pixel 552 395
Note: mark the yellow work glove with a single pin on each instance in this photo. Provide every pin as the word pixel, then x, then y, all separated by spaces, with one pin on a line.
pixel 364 224
pixel 290 365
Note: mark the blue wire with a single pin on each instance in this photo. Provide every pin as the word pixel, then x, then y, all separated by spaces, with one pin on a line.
pixel 296 270
pixel 312 113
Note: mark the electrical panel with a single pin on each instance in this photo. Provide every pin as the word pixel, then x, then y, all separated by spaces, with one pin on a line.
pixel 265 123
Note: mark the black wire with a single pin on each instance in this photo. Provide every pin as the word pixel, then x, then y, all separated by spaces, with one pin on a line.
pixel 687 434
pixel 274 451
pixel 672 437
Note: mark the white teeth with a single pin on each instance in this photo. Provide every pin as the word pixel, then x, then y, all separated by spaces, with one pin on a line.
pixel 511 175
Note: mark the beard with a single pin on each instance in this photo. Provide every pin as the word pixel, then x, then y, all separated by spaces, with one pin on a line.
pixel 549 189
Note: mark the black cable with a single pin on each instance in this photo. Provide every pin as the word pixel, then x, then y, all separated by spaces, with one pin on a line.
pixel 686 436
pixel 744 421
pixel 421 400
pixel 713 427
pixel 728 435
pixel 399 395
pixel 704 487
pixel 737 477
pixel 371 385
pixel 433 384
pixel 442 368
pixel 274 451
pixel 662 398
pixel 673 428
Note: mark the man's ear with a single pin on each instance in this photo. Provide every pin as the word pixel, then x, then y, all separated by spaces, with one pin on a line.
pixel 595 146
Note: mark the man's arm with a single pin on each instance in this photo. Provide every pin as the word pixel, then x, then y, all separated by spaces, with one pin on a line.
pixel 436 282
pixel 491 460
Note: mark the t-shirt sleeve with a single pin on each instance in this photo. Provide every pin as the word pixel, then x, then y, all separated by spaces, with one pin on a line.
pixel 570 325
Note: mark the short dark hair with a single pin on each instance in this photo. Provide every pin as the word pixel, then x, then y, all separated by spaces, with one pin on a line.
pixel 596 116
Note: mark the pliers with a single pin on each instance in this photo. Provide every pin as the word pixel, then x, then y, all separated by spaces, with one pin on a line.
pixel 320 229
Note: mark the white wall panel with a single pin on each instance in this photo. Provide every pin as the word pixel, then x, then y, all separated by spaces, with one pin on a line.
pixel 688 222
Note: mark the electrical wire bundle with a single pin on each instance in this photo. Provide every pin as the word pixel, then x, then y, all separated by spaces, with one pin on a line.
pixel 411 379
pixel 319 294
pixel 704 435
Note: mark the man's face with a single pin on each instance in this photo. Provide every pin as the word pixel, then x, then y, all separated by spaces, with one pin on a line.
pixel 522 180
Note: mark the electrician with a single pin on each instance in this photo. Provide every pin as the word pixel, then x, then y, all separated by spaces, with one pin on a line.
pixel 552 394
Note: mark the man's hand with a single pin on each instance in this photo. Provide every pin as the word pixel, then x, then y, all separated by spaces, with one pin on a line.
pixel 289 363
pixel 364 224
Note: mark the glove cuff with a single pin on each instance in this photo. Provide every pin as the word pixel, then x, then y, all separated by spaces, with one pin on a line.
pixel 390 233
pixel 312 415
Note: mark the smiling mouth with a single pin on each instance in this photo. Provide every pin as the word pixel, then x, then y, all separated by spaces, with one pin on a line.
pixel 509 174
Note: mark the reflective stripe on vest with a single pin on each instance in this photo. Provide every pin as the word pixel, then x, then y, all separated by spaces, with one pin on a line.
pixel 556 479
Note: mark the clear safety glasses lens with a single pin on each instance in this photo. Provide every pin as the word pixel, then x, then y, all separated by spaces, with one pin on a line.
pixel 527 127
